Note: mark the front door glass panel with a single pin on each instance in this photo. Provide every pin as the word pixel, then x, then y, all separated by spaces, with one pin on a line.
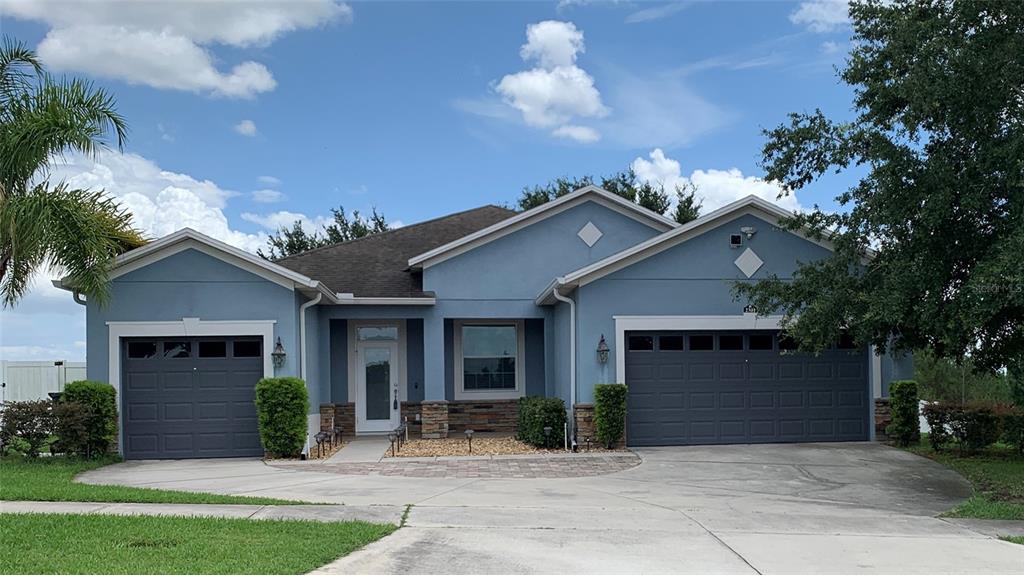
pixel 377 363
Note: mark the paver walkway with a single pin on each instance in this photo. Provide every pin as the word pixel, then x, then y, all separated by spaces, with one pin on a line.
pixel 495 467
pixel 326 513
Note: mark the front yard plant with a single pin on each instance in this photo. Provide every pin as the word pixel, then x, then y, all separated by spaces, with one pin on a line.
pixel 905 427
pixel 86 544
pixel 50 479
pixel 536 414
pixel 98 402
pixel 610 413
pixel 282 404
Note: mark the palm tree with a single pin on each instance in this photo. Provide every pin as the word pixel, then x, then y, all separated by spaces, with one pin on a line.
pixel 46 225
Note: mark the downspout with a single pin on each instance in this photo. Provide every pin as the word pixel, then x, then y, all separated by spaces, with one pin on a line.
pixel 78 298
pixel 572 355
pixel 302 349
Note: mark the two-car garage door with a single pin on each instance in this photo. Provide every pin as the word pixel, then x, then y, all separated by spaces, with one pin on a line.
pixel 742 387
pixel 190 397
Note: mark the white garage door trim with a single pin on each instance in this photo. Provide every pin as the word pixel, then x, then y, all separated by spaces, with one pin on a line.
pixel 187 327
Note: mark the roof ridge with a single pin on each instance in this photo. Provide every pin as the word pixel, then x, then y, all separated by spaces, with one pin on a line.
pixel 392 230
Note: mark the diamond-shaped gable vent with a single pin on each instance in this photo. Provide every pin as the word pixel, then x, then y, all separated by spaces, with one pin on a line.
pixel 748 262
pixel 590 234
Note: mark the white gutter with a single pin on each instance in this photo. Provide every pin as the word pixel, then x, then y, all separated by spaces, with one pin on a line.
pixel 572 353
pixel 302 332
pixel 78 298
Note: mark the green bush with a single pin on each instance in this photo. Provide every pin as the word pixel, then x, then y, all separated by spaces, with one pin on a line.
pixel 1013 426
pixel 100 401
pixel 937 416
pixel 972 427
pixel 282 404
pixel 536 413
pixel 71 423
pixel 610 413
pixel 905 428
pixel 26 426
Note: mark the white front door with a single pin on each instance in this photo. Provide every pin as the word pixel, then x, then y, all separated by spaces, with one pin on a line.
pixel 377 401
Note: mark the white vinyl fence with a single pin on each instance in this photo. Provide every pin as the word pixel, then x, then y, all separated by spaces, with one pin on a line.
pixel 27 380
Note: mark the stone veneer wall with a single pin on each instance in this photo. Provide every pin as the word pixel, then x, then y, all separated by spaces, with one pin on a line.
pixel 585 427
pixel 411 414
pixel 497 416
pixel 344 414
pixel 883 418
pixel 434 419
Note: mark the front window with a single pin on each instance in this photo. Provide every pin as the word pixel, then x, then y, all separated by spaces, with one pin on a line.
pixel 489 357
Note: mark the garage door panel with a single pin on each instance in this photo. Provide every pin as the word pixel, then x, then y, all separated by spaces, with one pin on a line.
pixel 634 372
pixel 748 396
pixel 200 407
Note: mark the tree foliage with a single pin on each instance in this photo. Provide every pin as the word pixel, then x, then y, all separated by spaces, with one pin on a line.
pixel 50 224
pixel 625 184
pixel 928 246
pixel 295 240
pixel 941 379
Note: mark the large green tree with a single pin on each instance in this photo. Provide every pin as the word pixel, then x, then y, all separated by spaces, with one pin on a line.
pixel 296 239
pixel 44 223
pixel 929 243
pixel 625 184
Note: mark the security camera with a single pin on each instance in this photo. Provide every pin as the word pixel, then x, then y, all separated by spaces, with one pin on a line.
pixel 749 231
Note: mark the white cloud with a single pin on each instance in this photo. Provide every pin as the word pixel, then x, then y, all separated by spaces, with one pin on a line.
pixel 829 47
pixel 246 128
pixel 267 196
pixel 165 44
pixel 161 201
pixel 579 133
pixel 655 13
pixel 284 219
pixel 556 91
pixel 822 15
pixel 269 180
pixel 715 187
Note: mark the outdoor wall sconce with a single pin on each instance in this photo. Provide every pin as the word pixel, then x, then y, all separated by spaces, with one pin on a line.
pixel 602 350
pixel 278 354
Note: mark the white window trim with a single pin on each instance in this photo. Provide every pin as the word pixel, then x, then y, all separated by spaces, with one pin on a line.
pixel 624 323
pixel 485 394
pixel 187 327
pixel 403 382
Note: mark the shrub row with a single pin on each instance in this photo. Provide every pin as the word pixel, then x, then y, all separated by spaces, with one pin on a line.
pixel 905 428
pixel 609 413
pixel 82 422
pixel 536 413
pixel 974 426
pixel 282 404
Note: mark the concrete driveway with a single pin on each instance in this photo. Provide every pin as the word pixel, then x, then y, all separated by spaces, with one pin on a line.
pixel 787 509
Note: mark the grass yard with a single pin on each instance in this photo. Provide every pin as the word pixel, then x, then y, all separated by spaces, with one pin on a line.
pixel 50 479
pixel 1017 540
pixel 997 475
pixel 71 544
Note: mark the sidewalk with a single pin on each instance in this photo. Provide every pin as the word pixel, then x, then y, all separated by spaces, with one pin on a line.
pixel 325 513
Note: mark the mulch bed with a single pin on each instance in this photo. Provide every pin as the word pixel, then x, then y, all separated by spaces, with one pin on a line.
pixel 482 445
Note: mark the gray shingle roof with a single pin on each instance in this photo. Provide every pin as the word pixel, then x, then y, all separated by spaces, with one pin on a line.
pixel 377 265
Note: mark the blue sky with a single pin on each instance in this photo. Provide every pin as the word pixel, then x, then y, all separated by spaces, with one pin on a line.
pixel 248 115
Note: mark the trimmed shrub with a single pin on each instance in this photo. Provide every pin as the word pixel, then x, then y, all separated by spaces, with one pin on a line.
pixel 905 428
pixel 610 413
pixel 71 423
pixel 937 416
pixel 26 425
pixel 1013 426
pixel 282 404
pixel 536 413
pixel 99 400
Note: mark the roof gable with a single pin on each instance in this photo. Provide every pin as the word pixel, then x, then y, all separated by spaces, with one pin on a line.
pixel 749 205
pixel 539 213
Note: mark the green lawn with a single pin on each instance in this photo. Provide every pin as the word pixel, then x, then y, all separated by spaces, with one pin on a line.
pixel 1017 540
pixel 49 479
pixel 997 475
pixel 71 544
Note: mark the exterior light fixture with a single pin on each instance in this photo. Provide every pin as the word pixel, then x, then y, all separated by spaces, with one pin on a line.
pixel 278 354
pixel 547 436
pixel 469 438
pixel 392 437
pixel 602 350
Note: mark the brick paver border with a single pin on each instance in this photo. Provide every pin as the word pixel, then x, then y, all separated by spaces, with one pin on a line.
pixel 469 468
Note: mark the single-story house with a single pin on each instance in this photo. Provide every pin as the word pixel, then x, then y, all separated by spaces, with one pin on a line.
pixel 444 324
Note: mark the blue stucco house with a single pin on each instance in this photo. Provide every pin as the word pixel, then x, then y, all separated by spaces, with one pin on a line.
pixel 446 323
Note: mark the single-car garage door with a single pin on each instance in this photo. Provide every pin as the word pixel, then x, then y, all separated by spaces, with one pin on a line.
pixel 742 387
pixel 191 397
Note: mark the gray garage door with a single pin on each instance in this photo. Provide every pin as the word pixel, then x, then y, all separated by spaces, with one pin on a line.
pixel 742 387
pixel 191 397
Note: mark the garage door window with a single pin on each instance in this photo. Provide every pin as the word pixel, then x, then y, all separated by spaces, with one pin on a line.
pixel 177 349
pixel 761 342
pixel 641 343
pixel 208 349
pixel 247 348
pixel 702 342
pixel 670 343
pixel 730 343
pixel 141 349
